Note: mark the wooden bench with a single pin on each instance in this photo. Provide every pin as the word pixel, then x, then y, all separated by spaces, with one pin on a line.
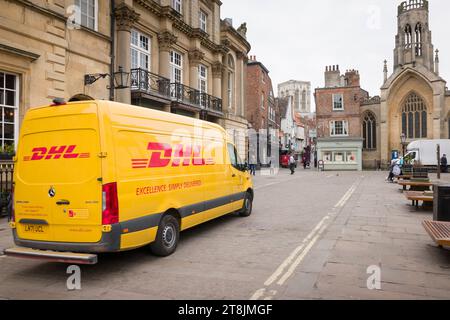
pixel 415 185
pixel 416 196
pixel 439 232
pixel 405 177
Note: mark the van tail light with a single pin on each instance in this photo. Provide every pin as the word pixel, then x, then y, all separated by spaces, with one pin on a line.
pixel 110 209
pixel 12 207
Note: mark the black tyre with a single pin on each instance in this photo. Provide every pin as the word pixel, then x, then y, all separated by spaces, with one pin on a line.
pixel 247 208
pixel 167 237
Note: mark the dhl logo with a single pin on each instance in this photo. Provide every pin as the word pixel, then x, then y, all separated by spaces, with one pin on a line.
pixel 163 154
pixel 55 153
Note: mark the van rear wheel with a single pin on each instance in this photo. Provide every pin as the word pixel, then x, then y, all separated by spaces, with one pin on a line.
pixel 247 208
pixel 167 237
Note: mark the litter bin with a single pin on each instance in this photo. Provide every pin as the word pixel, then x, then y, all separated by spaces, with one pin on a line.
pixel 441 203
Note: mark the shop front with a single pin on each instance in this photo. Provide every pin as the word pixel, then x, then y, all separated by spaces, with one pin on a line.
pixel 340 154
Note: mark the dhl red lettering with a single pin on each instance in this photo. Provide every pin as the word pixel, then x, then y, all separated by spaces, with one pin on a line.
pixel 198 159
pixel 55 152
pixel 38 154
pixel 182 152
pixel 69 154
pixel 162 154
pixel 156 161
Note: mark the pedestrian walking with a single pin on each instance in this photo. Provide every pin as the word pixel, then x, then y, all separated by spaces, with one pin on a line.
pixel 292 164
pixel 252 164
pixel 444 164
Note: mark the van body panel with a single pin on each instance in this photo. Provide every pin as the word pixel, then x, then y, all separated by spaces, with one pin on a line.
pixel 56 177
pixel 426 150
pixel 162 163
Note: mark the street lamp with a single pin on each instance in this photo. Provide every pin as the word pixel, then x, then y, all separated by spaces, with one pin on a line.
pixel 403 140
pixel 121 78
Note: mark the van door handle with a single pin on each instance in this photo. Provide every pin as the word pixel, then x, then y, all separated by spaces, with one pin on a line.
pixel 233 176
pixel 63 202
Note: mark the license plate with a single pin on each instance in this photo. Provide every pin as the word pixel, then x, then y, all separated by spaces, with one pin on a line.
pixel 35 228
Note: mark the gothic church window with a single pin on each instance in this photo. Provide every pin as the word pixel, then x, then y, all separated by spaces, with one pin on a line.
pixel 414 117
pixel 369 131
pixel 418 40
pixel 408 36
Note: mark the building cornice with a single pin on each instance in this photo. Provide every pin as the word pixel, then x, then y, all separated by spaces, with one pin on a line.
pixel 19 52
pixel 42 10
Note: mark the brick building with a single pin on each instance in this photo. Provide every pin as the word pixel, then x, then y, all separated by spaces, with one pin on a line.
pixel 261 107
pixel 338 115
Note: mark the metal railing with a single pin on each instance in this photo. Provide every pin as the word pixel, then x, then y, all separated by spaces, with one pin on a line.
pixel 6 186
pixel 182 93
pixel 145 81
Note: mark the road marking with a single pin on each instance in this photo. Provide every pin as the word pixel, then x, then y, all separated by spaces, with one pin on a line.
pixel 292 262
pixel 274 183
pixel 258 294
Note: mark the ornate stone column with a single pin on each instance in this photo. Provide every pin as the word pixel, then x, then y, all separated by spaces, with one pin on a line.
pixel 240 110
pixel 195 58
pixel 166 40
pixel 125 19
pixel 217 72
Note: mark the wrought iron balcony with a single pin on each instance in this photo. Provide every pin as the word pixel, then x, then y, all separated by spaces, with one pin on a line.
pixel 149 83
pixel 145 81
pixel 193 97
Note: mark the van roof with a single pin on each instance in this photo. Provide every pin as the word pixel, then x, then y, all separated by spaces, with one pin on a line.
pixel 138 109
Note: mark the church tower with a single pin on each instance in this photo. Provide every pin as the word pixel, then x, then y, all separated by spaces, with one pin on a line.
pixel 413 40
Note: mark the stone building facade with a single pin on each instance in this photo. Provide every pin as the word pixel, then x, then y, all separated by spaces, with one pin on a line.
pixel 300 91
pixel 414 98
pixel 41 58
pixel 179 56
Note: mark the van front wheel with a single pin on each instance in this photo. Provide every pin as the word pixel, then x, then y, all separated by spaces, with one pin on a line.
pixel 247 208
pixel 167 237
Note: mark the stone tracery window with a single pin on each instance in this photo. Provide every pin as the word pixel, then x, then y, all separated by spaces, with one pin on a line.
pixel 418 39
pixel 369 129
pixel 408 36
pixel 414 117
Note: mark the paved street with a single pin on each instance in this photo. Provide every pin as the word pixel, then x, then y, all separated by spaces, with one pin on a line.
pixel 311 236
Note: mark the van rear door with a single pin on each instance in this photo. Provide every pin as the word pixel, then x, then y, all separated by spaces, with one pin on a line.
pixel 58 191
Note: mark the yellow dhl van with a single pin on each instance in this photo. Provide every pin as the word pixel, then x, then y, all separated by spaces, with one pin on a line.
pixel 98 176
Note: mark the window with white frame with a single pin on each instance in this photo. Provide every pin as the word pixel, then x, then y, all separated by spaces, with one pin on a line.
pixel 203 17
pixel 263 99
pixel 178 5
pixel 339 128
pixel 176 66
pixel 88 10
pixel 230 88
pixel 9 105
pixel 176 74
pixel 202 83
pixel 140 51
pixel 340 157
pixel 338 101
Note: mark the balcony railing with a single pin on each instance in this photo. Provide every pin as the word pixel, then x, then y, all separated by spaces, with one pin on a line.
pixel 145 81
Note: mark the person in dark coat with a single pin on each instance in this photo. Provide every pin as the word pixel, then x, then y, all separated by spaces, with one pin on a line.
pixel 444 163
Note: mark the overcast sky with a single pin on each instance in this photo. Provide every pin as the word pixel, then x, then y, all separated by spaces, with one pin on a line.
pixel 296 39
